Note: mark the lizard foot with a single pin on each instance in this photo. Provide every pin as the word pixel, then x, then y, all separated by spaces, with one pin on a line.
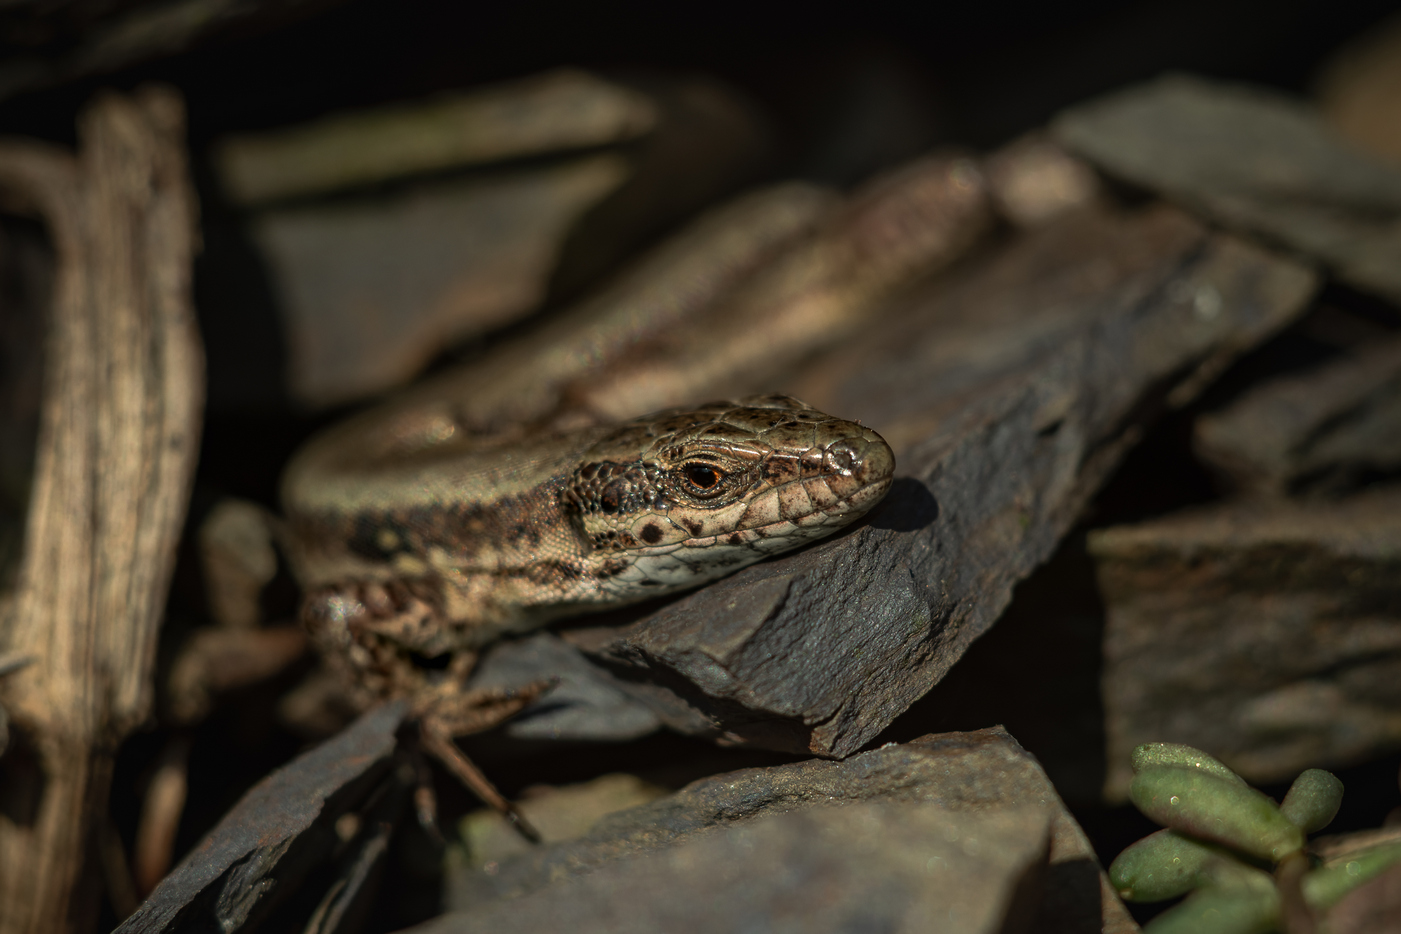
pixel 447 713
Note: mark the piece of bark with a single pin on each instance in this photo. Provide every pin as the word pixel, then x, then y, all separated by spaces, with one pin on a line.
pixel 119 434
pixel 1266 633
pixel 559 110
pixel 979 773
pixel 1324 429
pixel 282 829
pixel 1255 160
pixel 1009 395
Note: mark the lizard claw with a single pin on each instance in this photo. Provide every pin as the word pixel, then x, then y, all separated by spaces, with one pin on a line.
pixel 440 745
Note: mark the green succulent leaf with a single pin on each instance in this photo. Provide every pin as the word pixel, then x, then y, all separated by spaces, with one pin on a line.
pixel 1161 865
pixel 1325 886
pixel 1157 755
pixel 1313 800
pixel 1203 805
pixel 1230 874
pixel 1221 911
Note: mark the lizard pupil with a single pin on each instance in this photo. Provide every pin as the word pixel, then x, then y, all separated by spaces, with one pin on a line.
pixel 703 476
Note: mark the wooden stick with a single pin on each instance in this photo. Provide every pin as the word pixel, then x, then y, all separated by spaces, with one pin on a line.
pixel 118 438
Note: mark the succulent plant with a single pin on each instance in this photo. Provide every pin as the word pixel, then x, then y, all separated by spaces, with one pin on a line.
pixel 1242 857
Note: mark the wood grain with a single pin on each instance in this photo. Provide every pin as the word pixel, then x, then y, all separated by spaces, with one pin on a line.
pixel 118 440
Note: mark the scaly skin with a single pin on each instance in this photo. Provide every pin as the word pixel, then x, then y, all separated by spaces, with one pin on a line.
pixel 432 544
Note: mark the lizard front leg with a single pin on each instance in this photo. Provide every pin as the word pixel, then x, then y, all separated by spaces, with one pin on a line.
pixel 388 640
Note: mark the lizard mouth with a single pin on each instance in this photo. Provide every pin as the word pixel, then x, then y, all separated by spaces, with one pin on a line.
pixel 842 513
pixel 855 474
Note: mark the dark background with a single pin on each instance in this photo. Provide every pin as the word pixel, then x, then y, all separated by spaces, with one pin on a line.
pixel 981 72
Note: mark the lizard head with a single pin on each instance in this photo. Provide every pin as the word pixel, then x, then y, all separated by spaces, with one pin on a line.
pixel 684 496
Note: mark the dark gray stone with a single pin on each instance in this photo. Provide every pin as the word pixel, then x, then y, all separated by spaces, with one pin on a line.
pixel 559 813
pixel 1267 634
pixel 1009 394
pixel 1324 429
pixel 375 282
pixel 1255 160
pixel 277 833
pixel 371 288
pixel 866 867
pixel 983 773
pixel 587 703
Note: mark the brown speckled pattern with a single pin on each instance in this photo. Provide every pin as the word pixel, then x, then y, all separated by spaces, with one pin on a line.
pixel 442 563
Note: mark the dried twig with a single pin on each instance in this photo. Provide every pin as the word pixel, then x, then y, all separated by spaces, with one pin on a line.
pixel 123 393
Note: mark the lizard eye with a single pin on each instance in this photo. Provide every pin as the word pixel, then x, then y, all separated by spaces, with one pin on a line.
pixel 704 479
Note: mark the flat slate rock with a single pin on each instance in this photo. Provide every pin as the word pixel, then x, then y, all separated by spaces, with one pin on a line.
pixel 1254 160
pixel 525 379
pixel 557 812
pixel 1009 394
pixel 392 233
pixel 560 110
pixel 371 289
pixel 277 834
pixel 1324 429
pixel 883 867
pixel 586 703
pixel 674 851
pixel 1266 633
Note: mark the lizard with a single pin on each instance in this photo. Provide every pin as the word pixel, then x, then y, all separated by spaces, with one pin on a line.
pixel 418 543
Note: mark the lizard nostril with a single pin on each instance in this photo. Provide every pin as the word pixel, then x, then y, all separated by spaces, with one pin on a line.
pixel 842 457
pixel 865 460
